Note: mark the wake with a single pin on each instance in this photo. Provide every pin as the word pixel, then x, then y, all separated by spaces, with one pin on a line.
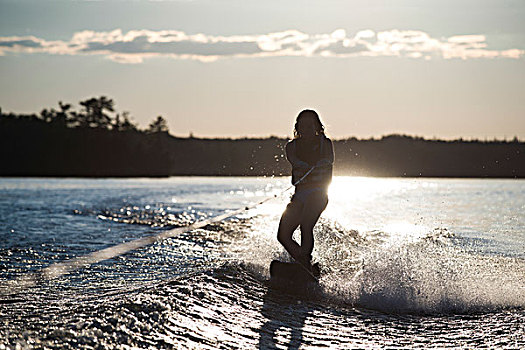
pixel 429 273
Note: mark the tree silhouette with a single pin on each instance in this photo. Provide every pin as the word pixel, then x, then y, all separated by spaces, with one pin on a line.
pixel 158 125
pixel 48 115
pixel 93 114
pixel 61 116
pixel 124 122
pixel 58 118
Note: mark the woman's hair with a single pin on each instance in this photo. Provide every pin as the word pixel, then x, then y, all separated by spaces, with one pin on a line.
pixel 308 113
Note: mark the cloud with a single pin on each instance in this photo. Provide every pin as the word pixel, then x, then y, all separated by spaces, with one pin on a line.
pixel 135 46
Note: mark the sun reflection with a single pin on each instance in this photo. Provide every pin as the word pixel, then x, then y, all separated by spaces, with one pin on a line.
pixel 344 188
pixel 359 202
pixel 355 202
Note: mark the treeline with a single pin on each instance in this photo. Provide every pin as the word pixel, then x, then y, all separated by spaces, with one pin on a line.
pixel 97 141
pixel 406 156
pixel 94 114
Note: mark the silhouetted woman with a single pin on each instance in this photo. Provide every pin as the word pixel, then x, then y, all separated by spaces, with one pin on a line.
pixel 309 148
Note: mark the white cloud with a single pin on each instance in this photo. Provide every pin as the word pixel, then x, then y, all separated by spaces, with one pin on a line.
pixel 135 46
pixel 466 39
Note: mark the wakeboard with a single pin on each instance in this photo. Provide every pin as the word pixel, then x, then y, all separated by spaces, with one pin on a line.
pixel 293 272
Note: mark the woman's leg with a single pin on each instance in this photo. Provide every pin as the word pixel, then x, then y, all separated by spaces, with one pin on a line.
pixel 287 225
pixel 312 211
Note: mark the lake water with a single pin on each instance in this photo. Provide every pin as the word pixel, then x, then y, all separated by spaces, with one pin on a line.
pixel 406 263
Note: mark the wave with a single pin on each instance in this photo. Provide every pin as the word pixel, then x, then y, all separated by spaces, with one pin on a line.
pixel 427 273
pixel 230 306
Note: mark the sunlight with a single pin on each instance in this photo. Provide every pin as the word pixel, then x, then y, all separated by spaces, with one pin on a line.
pixel 346 188
pixel 353 201
pixel 404 232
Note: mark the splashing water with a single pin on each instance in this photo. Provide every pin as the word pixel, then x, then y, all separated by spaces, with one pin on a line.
pixel 406 263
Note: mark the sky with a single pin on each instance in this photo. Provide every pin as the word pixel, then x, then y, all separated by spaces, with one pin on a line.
pixel 236 68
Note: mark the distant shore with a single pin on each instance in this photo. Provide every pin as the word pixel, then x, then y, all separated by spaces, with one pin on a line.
pixel 70 144
pixel 46 152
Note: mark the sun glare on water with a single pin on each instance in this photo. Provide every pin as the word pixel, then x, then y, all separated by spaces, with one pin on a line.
pixel 358 203
pixel 354 201
pixel 365 188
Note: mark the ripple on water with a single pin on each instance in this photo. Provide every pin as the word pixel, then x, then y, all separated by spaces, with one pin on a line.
pixel 231 307
pixel 206 289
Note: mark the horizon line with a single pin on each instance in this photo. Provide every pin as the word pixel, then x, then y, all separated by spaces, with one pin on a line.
pixel 368 138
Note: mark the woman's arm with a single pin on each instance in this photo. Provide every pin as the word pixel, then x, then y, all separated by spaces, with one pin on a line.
pixel 292 157
pixel 327 157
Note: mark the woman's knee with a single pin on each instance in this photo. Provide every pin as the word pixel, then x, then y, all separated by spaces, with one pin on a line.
pixel 280 237
pixel 283 234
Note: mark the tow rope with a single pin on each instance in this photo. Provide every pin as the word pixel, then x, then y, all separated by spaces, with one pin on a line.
pixel 56 270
